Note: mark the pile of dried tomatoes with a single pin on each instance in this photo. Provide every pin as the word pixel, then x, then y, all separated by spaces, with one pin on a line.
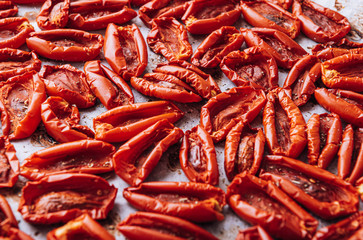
pixel 268 188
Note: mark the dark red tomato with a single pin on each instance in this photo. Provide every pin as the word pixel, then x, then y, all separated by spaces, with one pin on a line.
pixel 263 13
pixel 9 164
pixel 217 45
pixel 62 197
pixel 300 82
pixel 319 23
pixel 285 50
pixel 7 9
pixel 329 50
pixel 97 14
pixel 69 83
pixel 61 120
pixel 286 4
pixel 354 157
pixel 20 100
pixel 169 38
pixel 53 14
pixel 253 233
pixel 253 67
pixel 66 44
pixel 205 16
pixel 125 50
pixel 16 62
pixel 14 31
pixel 139 3
pixel 222 112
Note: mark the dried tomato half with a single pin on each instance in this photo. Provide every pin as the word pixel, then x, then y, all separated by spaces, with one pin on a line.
pixel 122 123
pixel 205 16
pixel 69 83
pixel 198 157
pixel 344 72
pixel 7 216
pixel 243 150
pixel 252 67
pixel 300 82
pixel 97 14
pixel 14 31
pixel 203 83
pixel 169 38
pixel 62 197
pixel 165 86
pixel 136 158
pixel 162 227
pixel 162 8
pixel 318 190
pixel 347 104
pixel 222 112
pixel 107 85
pixel 125 50
pixel 66 44
pixel 53 14
pixel 20 100
pixel 9 164
pixel 61 120
pixel 217 45
pixel 319 23
pixel 286 4
pixel 285 50
pixel 7 9
pixel 16 62
pixel 284 125
pixel 260 202
pixel 196 202
pixel 324 134
pixel 264 13
pixel 349 228
pixel 14 234
pixel 255 232
pixel 332 49
pixel 82 227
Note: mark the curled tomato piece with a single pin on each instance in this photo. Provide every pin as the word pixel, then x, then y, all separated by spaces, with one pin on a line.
pixel 166 87
pixel 260 202
pixel 284 125
pixel 136 158
pixel 69 83
pixel 324 133
pixel 9 164
pixel 66 44
pixel 217 45
pixel 203 83
pixel 349 228
pixel 196 202
pixel 286 4
pixel 14 32
pixel 169 38
pixel 243 150
pixel 332 49
pixel 97 14
pixel 20 100
pixel 344 72
pixel 256 232
pixel 198 157
pixel 204 16
pixel 62 197
pixel 318 190
pixel 162 227
pixel 300 82
pixel 162 8
pixel 253 67
pixel 61 120
pixel 347 104
pixel 285 50
pixel 83 227
pixel 319 23
pixel 84 156
pixel 107 86
pixel 16 62
pixel 7 9
pixel 14 234
pixel 222 112
pixel 122 123
pixel 7 216
pixel 53 14
pixel 264 13
pixel 125 50
pixel 27 1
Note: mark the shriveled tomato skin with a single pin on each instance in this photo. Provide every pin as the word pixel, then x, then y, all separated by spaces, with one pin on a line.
pixel 20 26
